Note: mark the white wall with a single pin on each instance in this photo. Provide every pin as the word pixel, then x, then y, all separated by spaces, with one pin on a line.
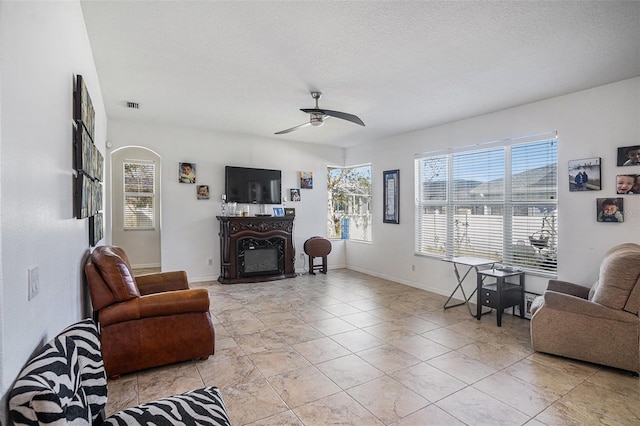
pixel 189 226
pixel 43 45
pixel 591 123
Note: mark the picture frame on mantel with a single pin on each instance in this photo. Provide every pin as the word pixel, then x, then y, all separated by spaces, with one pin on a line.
pixel 391 196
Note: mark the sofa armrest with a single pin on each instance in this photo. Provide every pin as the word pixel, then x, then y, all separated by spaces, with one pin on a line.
pixel 161 282
pixel 568 288
pixel 156 305
pixel 579 306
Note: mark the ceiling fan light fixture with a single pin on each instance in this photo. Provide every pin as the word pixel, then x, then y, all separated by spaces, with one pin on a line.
pixel 316 120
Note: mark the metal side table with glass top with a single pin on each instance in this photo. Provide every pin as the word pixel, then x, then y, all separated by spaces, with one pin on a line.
pixel 476 264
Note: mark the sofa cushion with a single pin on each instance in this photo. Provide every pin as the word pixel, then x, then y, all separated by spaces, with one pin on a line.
pixel 619 278
pixel 48 389
pixel 201 406
pixel 114 268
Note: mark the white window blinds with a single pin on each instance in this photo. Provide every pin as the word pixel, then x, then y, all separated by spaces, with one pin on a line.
pixel 139 195
pixel 497 203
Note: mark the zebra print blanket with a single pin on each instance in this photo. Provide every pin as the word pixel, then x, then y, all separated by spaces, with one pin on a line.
pixel 65 383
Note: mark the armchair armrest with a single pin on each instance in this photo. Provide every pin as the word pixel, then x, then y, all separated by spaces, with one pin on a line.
pixel 576 305
pixel 161 282
pixel 156 305
pixel 568 288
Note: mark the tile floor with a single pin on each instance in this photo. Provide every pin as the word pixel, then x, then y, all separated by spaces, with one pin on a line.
pixel 352 349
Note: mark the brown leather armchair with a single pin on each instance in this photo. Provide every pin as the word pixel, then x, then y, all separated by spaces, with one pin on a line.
pixel 149 320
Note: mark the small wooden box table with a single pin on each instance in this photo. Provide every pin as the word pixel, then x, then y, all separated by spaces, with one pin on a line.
pixel 497 289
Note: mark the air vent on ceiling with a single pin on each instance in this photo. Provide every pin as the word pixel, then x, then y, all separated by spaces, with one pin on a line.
pixel 133 105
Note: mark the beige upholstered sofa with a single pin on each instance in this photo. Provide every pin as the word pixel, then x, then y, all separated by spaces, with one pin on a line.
pixel 599 325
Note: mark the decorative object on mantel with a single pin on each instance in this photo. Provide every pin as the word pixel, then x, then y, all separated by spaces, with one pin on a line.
pixel 391 196
pixel 278 211
pixel 584 174
pixel 288 211
pixel 88 163
pixel 306 180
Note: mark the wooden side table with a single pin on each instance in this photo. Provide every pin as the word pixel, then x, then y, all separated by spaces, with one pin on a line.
pixel 497 290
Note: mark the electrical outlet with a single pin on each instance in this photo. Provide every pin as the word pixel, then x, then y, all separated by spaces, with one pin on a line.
pixel 33 282
pixel 210 261
pixel 413 268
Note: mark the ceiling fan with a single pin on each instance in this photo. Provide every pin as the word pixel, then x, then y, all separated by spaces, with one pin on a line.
pixel 318 115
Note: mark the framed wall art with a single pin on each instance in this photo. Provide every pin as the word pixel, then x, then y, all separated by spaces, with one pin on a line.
pixel 391 196
pixel 202 193
pixel 610 209
pixel 306 180
pixel 187 172
pixel 585 174
pixel 84 114
pixel 96 228
pixel 629 155
pixel 295 194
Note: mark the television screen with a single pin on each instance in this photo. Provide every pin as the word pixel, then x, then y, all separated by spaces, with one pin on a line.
pixel 247 185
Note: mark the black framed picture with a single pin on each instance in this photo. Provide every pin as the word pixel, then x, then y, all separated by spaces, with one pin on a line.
pixel 96 228
pixel 391 196
pixel 288 211
pixel 585 174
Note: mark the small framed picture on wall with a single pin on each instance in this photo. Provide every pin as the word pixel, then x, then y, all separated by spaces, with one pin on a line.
pixel 610 209
pixel 584 174
pixel 202 192
pixel 306 180
pixel 629 155
pixel 187 172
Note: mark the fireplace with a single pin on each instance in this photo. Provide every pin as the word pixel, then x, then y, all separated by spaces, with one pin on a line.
pixel 256 249
pixel 260 257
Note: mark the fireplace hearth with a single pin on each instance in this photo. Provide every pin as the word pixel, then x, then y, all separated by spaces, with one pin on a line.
pixel 261 257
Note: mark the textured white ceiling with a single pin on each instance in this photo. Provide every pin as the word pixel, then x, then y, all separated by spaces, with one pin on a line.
pixel 248 67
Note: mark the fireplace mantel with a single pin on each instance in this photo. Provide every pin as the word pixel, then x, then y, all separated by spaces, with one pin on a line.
pixel 262 231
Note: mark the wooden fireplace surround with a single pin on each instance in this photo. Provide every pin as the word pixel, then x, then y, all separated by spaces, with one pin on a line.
pixel 234 229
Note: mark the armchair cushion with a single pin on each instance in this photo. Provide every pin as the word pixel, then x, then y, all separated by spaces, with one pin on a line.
pixel 156 305
pixel 161 282
pixel 619 279
pixel 116 272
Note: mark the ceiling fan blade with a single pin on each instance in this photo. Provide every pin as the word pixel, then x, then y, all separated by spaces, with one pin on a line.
pixel 282 132
pixel 343 115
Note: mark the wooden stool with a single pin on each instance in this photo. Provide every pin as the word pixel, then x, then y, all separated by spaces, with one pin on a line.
pixel 317 247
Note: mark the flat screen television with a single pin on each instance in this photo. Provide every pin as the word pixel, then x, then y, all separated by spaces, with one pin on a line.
pixel 253 186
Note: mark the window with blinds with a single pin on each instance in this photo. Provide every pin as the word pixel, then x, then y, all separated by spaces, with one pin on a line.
pixel 139 195
pixel 498 203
